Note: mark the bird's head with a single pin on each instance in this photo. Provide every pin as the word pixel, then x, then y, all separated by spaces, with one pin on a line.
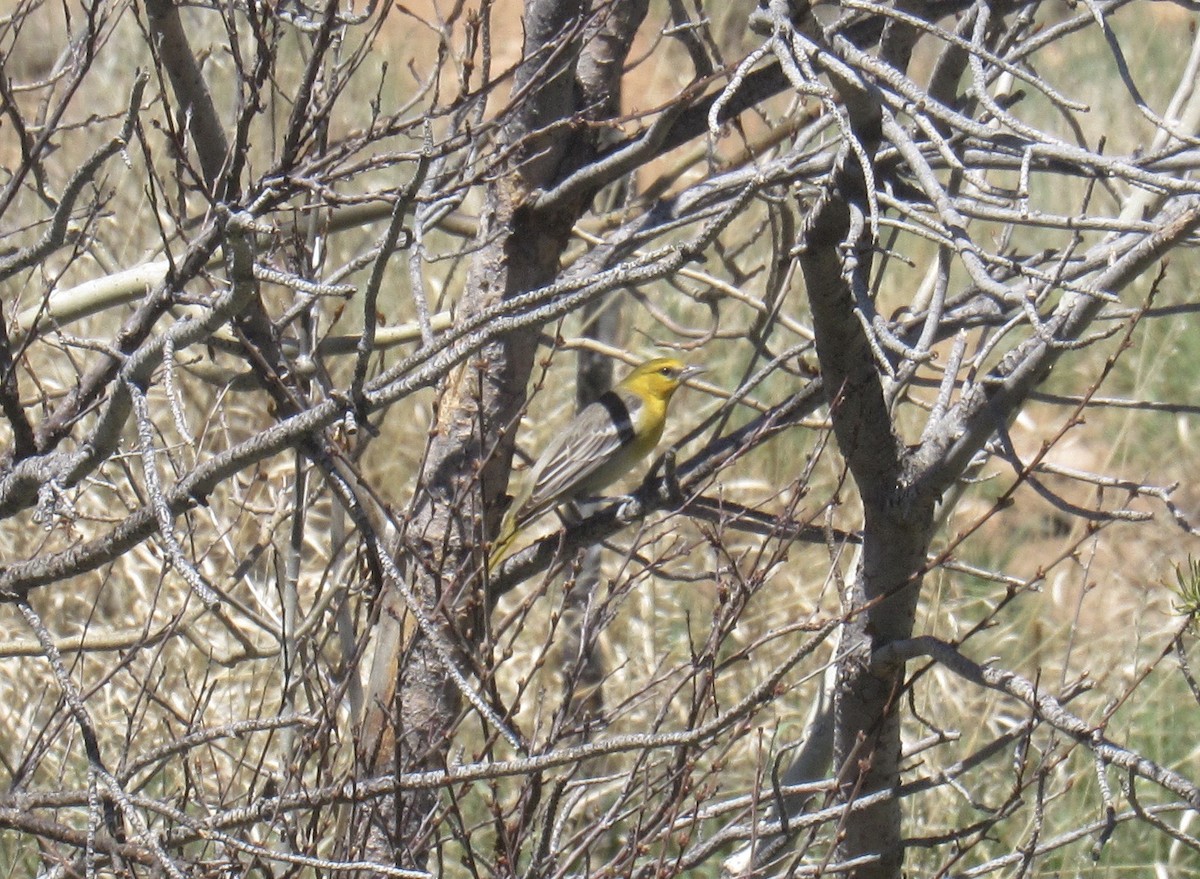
pixel 660 377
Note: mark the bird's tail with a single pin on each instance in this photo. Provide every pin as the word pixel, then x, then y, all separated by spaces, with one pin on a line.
pixel 502 545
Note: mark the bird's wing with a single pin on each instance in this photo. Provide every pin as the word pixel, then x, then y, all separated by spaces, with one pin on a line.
pixel 588 443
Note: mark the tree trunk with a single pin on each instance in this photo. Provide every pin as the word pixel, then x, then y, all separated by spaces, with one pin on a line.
pixel 412 703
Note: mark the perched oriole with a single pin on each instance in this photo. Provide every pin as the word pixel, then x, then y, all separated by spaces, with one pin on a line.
pixel 602 443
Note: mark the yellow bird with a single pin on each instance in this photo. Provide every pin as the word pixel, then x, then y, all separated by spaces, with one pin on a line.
pixel 606 440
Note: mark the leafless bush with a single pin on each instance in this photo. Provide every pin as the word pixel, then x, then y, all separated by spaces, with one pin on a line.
pixel 287 291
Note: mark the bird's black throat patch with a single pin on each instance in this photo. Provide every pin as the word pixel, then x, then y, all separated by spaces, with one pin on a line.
pixel 619 413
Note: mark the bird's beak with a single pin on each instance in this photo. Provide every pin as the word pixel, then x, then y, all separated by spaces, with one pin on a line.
pixel 690 371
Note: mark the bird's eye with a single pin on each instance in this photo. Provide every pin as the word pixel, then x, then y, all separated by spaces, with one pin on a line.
pixel 666 370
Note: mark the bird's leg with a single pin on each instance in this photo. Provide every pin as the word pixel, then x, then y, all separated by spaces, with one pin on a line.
pixel 669 491
pixel 583 507
pixel 576 510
